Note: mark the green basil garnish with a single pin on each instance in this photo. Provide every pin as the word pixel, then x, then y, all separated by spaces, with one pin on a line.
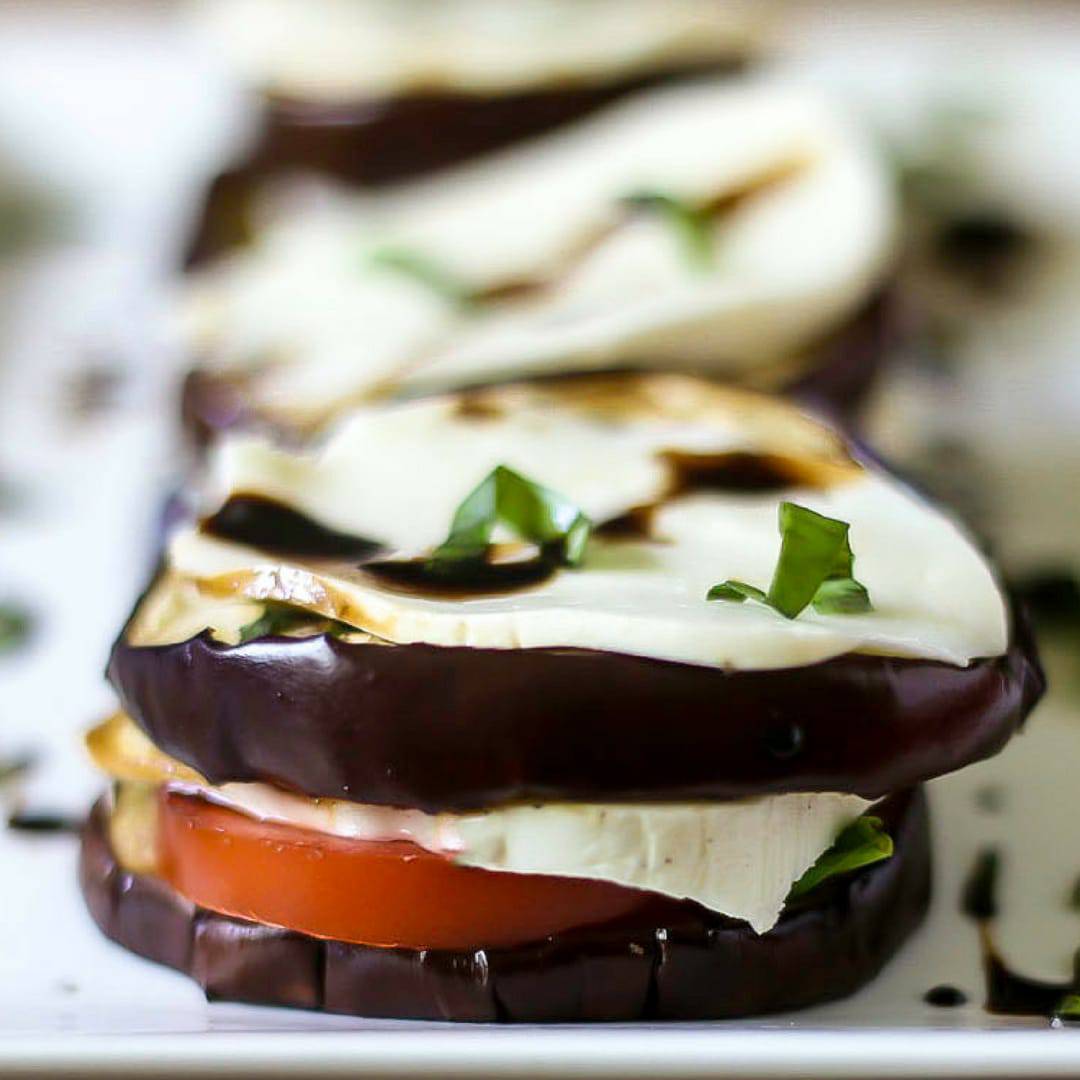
pixel 277 619
pixel 535 513
pixel 690 225
pixel 1068 1009
pixel 862 843
pixel 15 626
pixel 816 566
pixel 426 271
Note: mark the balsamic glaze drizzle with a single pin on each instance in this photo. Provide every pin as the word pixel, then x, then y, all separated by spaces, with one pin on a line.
pixel 43 822
pixel 471 579
pixel 274 527
pixel 1008 993
pixel 945 997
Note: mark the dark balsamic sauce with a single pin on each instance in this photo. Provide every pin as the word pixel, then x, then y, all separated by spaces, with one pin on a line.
pixel 984 248
pixel 274 527
pixel 1054 598
pixel 979 899
pixel 1008 992
pixel 43 822
pixel 737 471
pixel 635 524
pixel 472 579
pixel 945 997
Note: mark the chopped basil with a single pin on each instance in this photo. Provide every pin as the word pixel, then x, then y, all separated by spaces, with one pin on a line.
pixel 1068 1008
pixel 277 619
pixel 737 591
pixel 862 843
pixel 841 596
pixel 537 514
pixel 816 566
pixel 690 225
pixel 15 626
pixel 426 271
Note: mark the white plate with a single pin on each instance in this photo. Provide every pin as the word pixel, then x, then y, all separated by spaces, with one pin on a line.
pixel 71 1001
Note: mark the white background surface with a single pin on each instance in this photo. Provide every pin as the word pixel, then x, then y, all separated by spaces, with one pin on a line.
pixel 116 109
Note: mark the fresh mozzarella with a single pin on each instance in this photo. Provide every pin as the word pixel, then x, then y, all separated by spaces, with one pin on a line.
pixel 737 858
pixel 354 49
pixel 603 447
pixel 574 278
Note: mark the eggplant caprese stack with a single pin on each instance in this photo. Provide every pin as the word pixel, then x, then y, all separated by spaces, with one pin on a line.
pixel 741 229
pixel 372 92
pixel 600 698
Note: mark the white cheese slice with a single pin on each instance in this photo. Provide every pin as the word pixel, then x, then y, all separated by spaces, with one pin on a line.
pixel 737 858
pixel 348 49
pixel 396 473
pixel 311 316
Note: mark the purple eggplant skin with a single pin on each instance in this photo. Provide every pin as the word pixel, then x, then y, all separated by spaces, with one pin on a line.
pixel 701 967
pixel 458 729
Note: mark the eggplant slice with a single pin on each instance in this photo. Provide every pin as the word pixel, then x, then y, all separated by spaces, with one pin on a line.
pixel 706 967
pixel 458 729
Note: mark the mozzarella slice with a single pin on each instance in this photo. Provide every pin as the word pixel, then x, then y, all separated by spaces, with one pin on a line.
pixel 737 858
pixel 573 278
pixel 354 49
pixel 395 474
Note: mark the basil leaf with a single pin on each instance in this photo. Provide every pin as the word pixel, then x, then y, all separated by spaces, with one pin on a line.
pixel 862 843
pixel 816 566
pixel 534 512
pixel 474 521
pixel 426 271
pixel 736 591
pixel 841 596
pixel 277 619
pixel 1068 1008
pixel 690 225
pixel 15 626
pixel 812 549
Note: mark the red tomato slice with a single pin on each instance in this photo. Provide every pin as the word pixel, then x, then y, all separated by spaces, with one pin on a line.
pixel 370 893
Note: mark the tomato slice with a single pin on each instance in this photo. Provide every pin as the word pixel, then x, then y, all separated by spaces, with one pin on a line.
pixel 369 893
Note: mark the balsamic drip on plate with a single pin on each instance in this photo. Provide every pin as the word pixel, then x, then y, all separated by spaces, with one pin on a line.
pixel 945 997
pixel 1008 992
pixel 274 527
pixel 43 822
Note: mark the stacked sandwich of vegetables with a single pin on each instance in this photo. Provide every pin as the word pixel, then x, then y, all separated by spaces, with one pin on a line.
pixel 739 228
pixel 599 698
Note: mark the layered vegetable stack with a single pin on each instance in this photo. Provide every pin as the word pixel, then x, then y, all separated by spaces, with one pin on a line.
pixel 597 698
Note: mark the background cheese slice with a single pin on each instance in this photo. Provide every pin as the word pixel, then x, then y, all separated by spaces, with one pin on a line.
pixel 574 278
pixel 354 49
